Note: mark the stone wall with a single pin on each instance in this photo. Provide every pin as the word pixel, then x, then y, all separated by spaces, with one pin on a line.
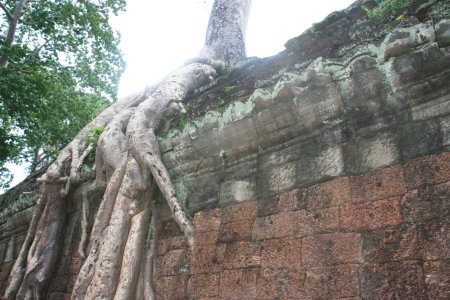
pixel 384 234
pixel 319 173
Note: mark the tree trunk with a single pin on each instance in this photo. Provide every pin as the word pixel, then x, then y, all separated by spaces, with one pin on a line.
pixel 128 160
pixel 13 21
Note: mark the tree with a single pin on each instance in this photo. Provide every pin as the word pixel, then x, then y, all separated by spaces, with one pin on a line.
pixel 128 170
pixel 59 67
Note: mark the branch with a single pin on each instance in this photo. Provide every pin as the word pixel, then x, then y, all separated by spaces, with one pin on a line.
pixel 5 9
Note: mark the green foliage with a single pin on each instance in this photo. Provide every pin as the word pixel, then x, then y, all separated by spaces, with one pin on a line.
pixel 229 88
pixel 93 135
pixel 64 68
pixel 386 7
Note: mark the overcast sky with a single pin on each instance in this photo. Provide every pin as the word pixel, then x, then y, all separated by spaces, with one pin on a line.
pixel 159 35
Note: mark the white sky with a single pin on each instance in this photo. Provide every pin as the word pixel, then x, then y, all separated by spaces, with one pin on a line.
pixel 159 35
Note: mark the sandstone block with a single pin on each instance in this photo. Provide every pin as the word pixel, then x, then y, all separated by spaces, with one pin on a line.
pixel 372 215
pixel 427 170
pixel 378 184
pixel 437 279
pixel 331 249
pixel 172 287
pixel 242 255
pixel 394 280
pixel 281 253
pixel 238 284
pixel 208 220
pixel 203 285
pixel 334 282
pixel 332 193
pixel 281 284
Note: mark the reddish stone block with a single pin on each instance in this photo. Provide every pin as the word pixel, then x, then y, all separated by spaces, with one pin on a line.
pixel 281 253
pixel 392 244
pixel 242 211
pixel 281 284
pixel 239 284
pixel 242 255
pixel 378 184
pixel 334 282
pixel 427 170
pixel 203 285
pixel 329 194
pixel 173 263
pixel 236 231
pixel 394 280
pixel 275 226
pixel 434 236
pixel 371 215
pixel 427 203
pixel 206 237
pixel 208 220
pixel 172 287
pixel 292 200
pixel 331 249
pixel 173 243
pixel 437 279
pixel 296 224
pixel 208 258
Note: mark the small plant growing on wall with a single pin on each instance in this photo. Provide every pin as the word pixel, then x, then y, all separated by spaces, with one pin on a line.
pixel 386 7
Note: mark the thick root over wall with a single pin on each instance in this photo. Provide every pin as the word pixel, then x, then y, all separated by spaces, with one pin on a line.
pixel 118 255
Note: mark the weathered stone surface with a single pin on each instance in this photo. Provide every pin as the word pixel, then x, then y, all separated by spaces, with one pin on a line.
pixel 437 279
pixel 281 253
pixel 372 215
pixel 238 284
pixel 401 280
pixel 331 249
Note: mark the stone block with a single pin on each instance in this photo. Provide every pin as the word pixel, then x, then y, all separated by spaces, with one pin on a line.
pixel 207 258
pixel 378 184
pixel 373 152
pixel 393 280
pixel 420 138
pixel 172 263
pixel 435 238
pixel 281 284
pixel 398 243
pixel 443 33
pixel 275 226
pixel 291 200
pixel 371 215
pixel 206 237
pixel 281 253
pixel 238 284
pixel 296 224
pixel 172 287
pixel 334 282
pixel 237 191
pixel 236 231
pixel 331 249
pixel 203 285
pixel 242 211
pixel 172 243
pixel 437 279
pixel 242 255
pixel 330 194
pixel 208 220
pixel 426 203
pixel 427 170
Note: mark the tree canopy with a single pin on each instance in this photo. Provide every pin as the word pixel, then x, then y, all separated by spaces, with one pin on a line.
pixel 59 67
